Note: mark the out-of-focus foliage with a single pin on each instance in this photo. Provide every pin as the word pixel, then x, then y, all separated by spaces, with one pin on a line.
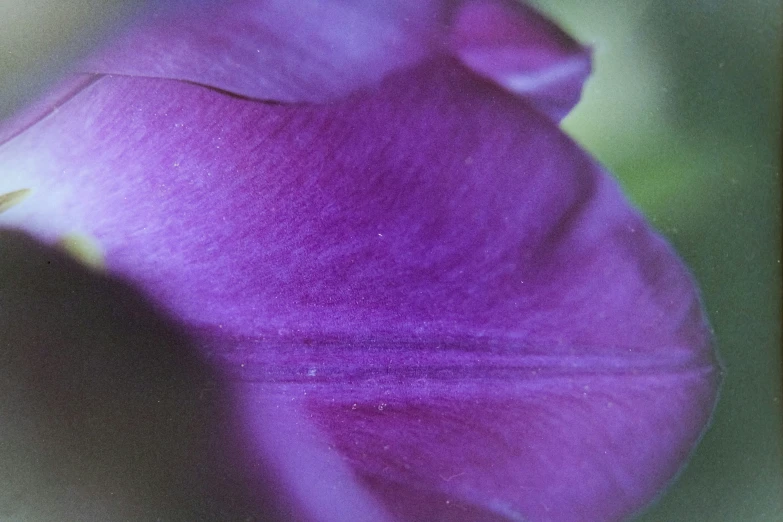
pixel 685 108
pixel 39 39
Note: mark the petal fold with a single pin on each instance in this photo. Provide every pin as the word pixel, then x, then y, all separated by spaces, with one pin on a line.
pixel 315 51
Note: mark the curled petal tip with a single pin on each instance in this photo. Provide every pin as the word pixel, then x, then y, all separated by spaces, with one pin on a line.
pixel 523 52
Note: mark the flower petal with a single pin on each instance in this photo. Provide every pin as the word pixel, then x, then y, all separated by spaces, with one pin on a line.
pixel 316 51
pixel 451 292
pixel 525 53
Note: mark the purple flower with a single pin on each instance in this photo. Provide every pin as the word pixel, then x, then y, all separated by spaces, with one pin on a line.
pixel 428 303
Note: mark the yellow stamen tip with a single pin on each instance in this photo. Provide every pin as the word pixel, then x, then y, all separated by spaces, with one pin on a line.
pixel 11 199
pixel 84 249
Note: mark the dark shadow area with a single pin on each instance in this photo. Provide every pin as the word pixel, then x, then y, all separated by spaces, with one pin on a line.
pixel 106 410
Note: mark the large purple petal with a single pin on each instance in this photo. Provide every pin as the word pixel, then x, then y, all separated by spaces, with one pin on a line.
pixel 432 275
pixel 316 51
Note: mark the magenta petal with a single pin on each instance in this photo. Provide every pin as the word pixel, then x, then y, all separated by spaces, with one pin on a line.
pixel 456 299
pixel 316 51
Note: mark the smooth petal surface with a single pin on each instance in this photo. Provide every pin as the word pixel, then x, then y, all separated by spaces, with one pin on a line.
pixel 430 274
pixel 316 51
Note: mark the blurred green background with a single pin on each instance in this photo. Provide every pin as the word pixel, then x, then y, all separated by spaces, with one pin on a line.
pixel 685 108
pixel 39 39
